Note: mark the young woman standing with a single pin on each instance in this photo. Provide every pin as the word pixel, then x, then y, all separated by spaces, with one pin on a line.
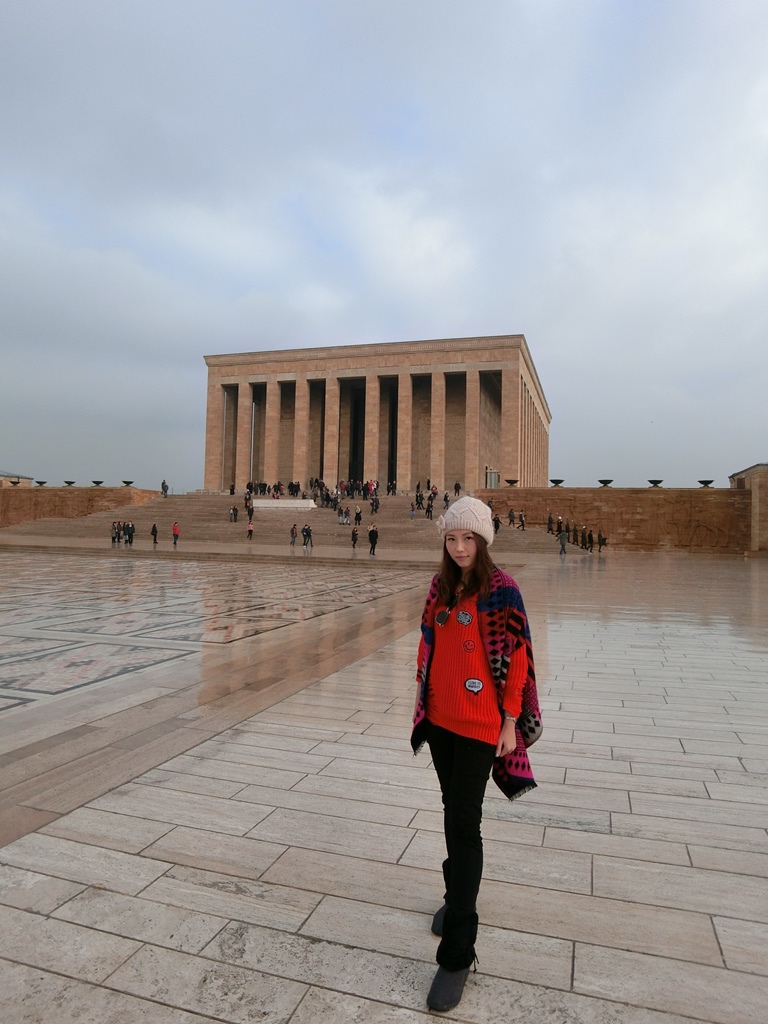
pixel 477 708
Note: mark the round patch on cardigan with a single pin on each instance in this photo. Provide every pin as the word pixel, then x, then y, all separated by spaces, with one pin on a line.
pixel 469 646
pixel 474 685
pixel 464 618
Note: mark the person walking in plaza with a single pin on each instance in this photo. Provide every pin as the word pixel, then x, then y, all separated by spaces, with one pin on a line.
pixel 355 536
pixel 511 518
pixel 294 535
pixel 602 540
pixel 249 529
pixel 563 538
pixel 176 531
pixel 373 539
pixel 521 525
pixel 477 709
pixel 153 531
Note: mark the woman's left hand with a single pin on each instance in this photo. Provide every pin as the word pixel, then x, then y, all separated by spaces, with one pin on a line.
pixel 507 740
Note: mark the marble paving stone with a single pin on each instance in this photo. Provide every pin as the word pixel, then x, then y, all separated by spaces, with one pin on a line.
pixel 385 814
pixel 288 718
pixel 188 764
pixel 648 740
pixel 190 783
pixel 28 890
pixel 592 798
pixel 253 738
pixel 536 959
pixel 240 753
pixel 389 979
pixel 103 828
pixel 742 778
pixel 379 755
pixel 59 946
pixel 745 944
pixel 617 846
pixel 403 796
pixel 80 862
pixel 384 775
pixel 333 835
pixel 503 831
pixel 703 833
pixel 543 757
pixel 141 919
pixel 31 996
pixel 682 759
pixel 711 993
pixel 687 888
pixel 321 1006
pixel 719 811
pixel 237 898
pixel 211 812
pixel 547 814
pixel 730 860
pixel 673 771
pixel 740 794
pixel 394 885
pixel 549 868
pixel 526 908
pixel 635 783
pixel 285 733
pixel 404 983
pixel 226 992
pixel 214 851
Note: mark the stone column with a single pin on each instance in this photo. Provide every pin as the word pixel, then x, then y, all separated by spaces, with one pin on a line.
pixel 471 480
pixel 301 432
pixel 272 431
pixel 331 445
pixel 404 431
pixel 437 432
pixel 372 414
pixel 511 427
pixel 244 443
pixel 214 438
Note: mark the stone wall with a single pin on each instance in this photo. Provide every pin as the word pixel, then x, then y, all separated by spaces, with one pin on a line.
pixel 640 518
pixel 21 506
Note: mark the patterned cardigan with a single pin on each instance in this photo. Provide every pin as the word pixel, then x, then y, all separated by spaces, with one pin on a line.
pixel 503 627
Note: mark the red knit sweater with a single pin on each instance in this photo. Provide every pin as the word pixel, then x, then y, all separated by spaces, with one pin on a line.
pixel 462 694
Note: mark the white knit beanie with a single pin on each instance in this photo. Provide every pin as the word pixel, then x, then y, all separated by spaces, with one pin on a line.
pixel 468 514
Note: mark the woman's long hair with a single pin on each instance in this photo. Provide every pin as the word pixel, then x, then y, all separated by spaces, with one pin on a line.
pixel 479 579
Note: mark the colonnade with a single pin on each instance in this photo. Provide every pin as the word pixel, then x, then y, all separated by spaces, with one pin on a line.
pixel 405 426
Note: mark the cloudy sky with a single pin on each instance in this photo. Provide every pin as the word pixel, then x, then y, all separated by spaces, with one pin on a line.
pixel 185 177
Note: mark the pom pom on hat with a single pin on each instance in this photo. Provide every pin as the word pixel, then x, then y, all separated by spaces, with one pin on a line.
pixel 468 514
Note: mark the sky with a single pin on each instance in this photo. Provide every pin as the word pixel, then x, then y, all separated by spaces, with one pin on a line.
pixel 181 178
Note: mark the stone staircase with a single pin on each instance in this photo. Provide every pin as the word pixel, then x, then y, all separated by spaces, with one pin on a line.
pixel 205 518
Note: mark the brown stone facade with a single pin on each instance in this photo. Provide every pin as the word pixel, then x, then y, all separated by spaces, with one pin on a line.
pixel 22 506
pixel 641 518
pixel 466 409
pixel 755 481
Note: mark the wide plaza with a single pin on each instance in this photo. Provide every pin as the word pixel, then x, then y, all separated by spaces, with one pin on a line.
pixel 210 811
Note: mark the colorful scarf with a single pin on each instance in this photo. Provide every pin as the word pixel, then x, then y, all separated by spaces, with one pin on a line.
pixel 503 627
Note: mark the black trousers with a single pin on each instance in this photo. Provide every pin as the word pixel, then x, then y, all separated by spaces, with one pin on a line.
pixel 463 766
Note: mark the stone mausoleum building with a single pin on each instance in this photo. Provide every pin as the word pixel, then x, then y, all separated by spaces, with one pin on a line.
pixel 466 409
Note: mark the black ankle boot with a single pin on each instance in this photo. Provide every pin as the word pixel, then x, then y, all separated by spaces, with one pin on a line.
pixel 437 920
pixel 447 989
